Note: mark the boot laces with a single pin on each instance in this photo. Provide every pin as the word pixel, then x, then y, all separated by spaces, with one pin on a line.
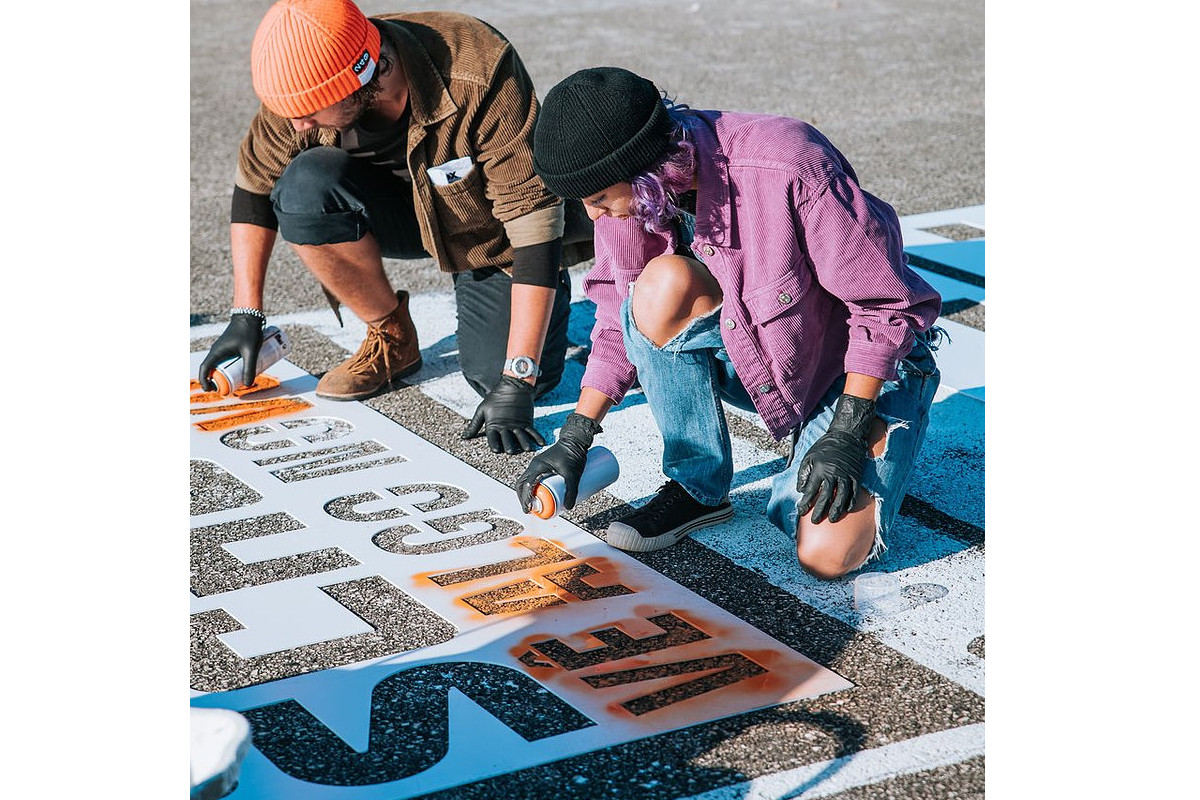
pixel 374 348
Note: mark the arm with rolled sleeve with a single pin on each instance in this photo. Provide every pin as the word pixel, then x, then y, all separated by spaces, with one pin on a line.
pixel 263 154
pixel 853 239
pixel 608 370
pixel 504 125
pixel 267 148
pixel 532 216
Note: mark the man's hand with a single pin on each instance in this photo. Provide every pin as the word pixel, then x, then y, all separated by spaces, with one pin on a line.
pixel 506 415
pixel 566 457
pixel 242 337
pixel 832 468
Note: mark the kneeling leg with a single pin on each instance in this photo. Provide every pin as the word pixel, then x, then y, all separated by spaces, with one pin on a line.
pixel 669 293
pixel 828 550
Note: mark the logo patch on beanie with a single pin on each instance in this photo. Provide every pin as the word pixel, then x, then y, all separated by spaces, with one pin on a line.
pixel 364 68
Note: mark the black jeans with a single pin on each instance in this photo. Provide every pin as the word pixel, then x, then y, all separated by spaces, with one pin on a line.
pixel 325 196
pixel 484 298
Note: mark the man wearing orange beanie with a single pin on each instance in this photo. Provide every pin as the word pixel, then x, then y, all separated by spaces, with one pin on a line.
pixel 403 136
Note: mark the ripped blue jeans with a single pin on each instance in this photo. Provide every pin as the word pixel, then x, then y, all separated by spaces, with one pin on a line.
pixel 686 380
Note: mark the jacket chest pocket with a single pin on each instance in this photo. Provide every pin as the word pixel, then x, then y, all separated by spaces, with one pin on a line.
pixel 462 206
pixel 775 311
pixel 781 296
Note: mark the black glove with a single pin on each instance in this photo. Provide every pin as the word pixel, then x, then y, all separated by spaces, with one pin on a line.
pixel 830 472
pixel 566 457
pixel 507 416
pixel 242 337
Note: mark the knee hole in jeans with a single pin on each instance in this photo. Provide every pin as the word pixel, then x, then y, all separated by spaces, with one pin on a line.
pixel 878 437
pixel 674 290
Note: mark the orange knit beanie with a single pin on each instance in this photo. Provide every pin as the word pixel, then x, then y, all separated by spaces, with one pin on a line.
pixel 310 54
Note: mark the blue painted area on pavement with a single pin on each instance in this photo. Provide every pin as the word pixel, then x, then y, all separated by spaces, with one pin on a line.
pixel 954 269
pixel 966 256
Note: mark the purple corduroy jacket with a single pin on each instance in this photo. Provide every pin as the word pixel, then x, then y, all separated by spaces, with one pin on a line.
pixel 814 276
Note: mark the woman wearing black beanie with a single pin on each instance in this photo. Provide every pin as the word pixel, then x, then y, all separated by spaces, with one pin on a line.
pixel 739 260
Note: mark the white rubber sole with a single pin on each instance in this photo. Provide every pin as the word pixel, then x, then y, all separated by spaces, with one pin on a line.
pixel 623 537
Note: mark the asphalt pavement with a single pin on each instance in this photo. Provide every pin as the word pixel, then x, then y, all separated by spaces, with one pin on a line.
pixel 123 124
pixel 892 699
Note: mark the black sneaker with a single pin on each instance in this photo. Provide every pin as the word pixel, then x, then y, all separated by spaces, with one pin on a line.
pixel 671 515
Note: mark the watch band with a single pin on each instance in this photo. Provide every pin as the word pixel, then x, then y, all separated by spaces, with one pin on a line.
pixel 523 367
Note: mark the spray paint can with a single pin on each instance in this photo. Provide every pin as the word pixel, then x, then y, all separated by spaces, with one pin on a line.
pixel 228 374
pixel 601 470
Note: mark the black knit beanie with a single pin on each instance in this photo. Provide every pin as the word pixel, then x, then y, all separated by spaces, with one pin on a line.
pixel 598 127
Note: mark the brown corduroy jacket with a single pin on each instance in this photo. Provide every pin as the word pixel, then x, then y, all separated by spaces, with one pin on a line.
pixel 469 95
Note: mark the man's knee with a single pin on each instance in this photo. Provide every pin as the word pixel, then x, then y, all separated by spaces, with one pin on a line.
pixel 316 203
pixel 670 292
pixel 310 180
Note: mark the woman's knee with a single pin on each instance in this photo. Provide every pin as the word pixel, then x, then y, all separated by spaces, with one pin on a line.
pixel 670 292
pixel 829 562
pixel 828 550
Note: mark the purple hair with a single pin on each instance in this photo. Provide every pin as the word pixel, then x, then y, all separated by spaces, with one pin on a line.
pixel 656 191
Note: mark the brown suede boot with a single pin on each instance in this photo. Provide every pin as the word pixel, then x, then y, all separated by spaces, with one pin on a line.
pixel 390 351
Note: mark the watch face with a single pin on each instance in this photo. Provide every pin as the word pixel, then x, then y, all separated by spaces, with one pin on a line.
pixel 522 366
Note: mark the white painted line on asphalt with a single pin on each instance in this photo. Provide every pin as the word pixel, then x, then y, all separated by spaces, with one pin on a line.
pixel 961 359
pixel 865 768
pixel 915 227
pixel 433 312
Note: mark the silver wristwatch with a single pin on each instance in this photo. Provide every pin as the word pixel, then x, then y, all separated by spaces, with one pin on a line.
pixel 523 367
